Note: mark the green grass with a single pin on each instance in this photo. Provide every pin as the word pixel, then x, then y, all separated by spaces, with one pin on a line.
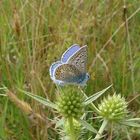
pixel 34 34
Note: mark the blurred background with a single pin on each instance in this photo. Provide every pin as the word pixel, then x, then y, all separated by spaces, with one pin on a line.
pixel 34 34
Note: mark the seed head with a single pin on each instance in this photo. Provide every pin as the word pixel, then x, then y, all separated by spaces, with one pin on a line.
pixel 70 104
pixel 113 108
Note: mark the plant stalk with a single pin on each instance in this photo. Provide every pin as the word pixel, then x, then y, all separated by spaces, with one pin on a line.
pixel 102 128
pixel 71 126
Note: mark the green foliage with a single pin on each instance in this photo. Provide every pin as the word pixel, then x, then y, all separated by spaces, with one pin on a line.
pixel 34 34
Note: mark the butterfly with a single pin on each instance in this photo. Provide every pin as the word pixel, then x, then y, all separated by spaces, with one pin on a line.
pixel 71 69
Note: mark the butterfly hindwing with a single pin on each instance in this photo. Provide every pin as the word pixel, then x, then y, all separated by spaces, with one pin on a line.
pixel 53 66
pixel 68 73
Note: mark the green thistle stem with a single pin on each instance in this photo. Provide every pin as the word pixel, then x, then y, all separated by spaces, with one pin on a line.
pixel 71 126
pixel 93 106
pixel 102 128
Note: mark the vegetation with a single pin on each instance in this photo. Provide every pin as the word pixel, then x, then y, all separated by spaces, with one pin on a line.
pixel 34 34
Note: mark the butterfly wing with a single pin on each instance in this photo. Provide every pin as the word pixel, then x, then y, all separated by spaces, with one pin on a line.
pixel 68 74
pixel 52 68
pixel 79 59
pixel 69 52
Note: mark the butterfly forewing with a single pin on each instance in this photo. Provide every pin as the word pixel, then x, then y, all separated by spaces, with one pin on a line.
pixel 69 52
pixel 79 59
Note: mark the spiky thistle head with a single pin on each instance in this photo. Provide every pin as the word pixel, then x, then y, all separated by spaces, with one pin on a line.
pixel 70 103
pixel 113 108
pixel 76 126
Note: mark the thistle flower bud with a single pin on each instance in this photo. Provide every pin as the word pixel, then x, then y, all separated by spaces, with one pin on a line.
pixel 70 104
pixel 113 108
pixel 76 126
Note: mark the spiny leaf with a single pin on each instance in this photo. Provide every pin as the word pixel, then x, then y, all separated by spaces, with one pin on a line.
pixel 95 96
pixel 88 126
pixel 131 123
pixel 42 100
pixel 133 119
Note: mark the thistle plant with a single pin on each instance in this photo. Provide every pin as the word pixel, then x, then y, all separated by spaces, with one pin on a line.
pixel 113 111
pixel 71 106
pixel 73 128
pixel 113 108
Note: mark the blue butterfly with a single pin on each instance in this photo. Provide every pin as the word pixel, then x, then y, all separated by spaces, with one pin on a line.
pixel 71 69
